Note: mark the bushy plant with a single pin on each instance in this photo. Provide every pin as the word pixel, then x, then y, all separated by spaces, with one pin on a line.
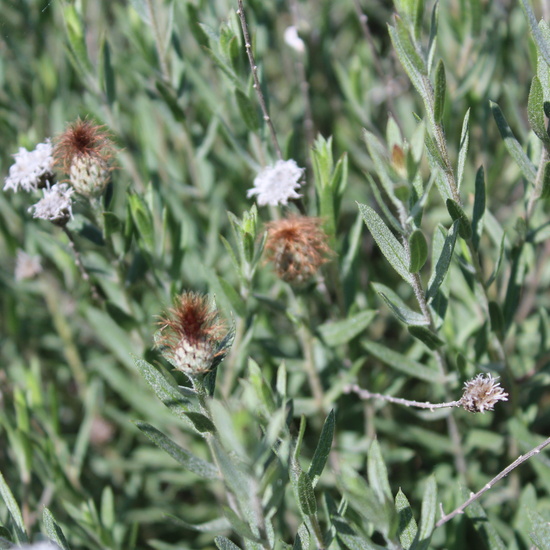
pixel 274 275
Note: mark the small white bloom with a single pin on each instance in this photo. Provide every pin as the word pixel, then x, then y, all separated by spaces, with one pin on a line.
pixel 293 40
pixel 482 393
pixel 26 266
pixel 30 168
pixel 44 545
pixel 56 204
pixel 277 183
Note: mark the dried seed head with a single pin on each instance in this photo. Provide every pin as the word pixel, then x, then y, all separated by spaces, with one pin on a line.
pixel 192 337
pixel 297 246
pixel 482 393
pixel 84 151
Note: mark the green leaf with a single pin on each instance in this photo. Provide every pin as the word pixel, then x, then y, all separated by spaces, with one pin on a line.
pixel 233 297
pixel 189 461
pixel 535 110
pixel 77 41
pixel 349 538
pixel 440 90
pixel 479 208
pixel 426 335
pixel 109 83
pixel 407 529
pixel 482 525
pixel 213 526
pixel 513 146
pixel 463 151
pixel 545 191
pixel 224 543
pixel 166 392
pixel 443 263
pixel 457 214
pixel 497 319
pixel 418 251
pixel 402 363
pixel 389 245
pixel 341 332
pixel 248 110
pixel 322 450
pixel 306 495
pixel 143 220
pixel 168 94
pixel 427 518
pixel 14 511
pixel 438 166
pixel 201 422
pixel 540 534
pixel 398 307
pixel 193 21
pixel 541 38
pixel 378 473
pixel 53 530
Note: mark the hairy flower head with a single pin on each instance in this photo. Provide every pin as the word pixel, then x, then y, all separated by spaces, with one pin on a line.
pixel 192 337
pixel 482 393
pixel 297 247
pixel 277 183
pixel 84 151
pixel 56 204
pixel 31 169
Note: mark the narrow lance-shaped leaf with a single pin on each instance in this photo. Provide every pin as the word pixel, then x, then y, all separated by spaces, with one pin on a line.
pixel 407 528
pixel 512 144
pixel 53 530
pixel 542 41
pixel 545 191
pixel 457 214
pixel 440 90
pixel 248 110
pixel 427 518
pixel 306 495
pixel 398 307
pixel 14 511
pixel 389 245
pixel 322 450
pixel 463 151
pixel 224 543
pixel 426 336
pixel 535 110
pixel 186 459
pixel 418 248
pixel 479 207
pixel 378 473
pixel 443 262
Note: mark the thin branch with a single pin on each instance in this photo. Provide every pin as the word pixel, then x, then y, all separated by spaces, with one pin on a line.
pixel 365 394
pixel 257 86
pixel 446 517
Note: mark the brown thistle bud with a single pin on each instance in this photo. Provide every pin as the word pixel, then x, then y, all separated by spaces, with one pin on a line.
pixel 192 337
pixel 297 246
pixel 84 151
pixel 482 393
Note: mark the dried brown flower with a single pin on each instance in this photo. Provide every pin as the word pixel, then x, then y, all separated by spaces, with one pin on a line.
pixel 192 336
pixel 297 246
pixel 482 393
pixel 84 151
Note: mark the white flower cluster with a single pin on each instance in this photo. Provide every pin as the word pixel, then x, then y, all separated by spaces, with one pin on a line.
pixel 30 168
pixel 482 393
pixel 56 204
pixel 45 545
pixel 277 183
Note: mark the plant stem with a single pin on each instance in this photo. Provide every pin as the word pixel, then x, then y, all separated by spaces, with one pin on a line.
pixel 365 394
pixel 520 460
pixel 257 86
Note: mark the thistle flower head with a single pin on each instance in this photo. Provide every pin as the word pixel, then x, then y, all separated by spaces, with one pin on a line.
pixel 31 169
pixel 297 246
pixel 482 393
pixel 56 204
pixel 84 151
pixel 277 183
pixel 192 337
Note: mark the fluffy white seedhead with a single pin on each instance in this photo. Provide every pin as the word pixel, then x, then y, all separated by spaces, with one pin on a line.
pixel 482 393
pixel 31 168
pixel 56 204
pixel 277 184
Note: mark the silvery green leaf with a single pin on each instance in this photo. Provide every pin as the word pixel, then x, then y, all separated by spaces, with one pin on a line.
pixel 542 39
pixel 322 450
pixel 14 511
pixel 443 262
pixel 535 110
pixel 457 214
pixel 378 473
pixel 427 517
pixel 426 336
pixel 224 543
pixel 463 148
pixel 482 525
pixel 306 495
pixel 340 332
pixel 540 533
pixel 418 248
pixel 403 363
pixel 391 248
pixel 513 146
pixel 479 208
pixel 398 307
pixel 440 91
pixel 407 529
pixel 53 530
pixel 185 458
